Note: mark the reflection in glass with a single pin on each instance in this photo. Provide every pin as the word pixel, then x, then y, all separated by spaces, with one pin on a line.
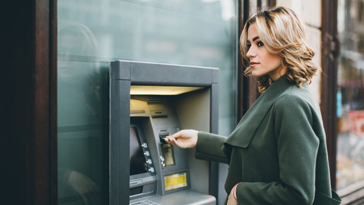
pixel 350 95
pixel 77 188
pixel 82 139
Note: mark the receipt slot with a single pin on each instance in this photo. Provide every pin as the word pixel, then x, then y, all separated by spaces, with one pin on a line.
pixel 148 102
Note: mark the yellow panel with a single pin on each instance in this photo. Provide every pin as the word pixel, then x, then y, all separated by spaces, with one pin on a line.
pixel 160 90
pixel 175 181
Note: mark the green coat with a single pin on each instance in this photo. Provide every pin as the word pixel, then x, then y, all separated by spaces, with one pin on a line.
pixel 278 150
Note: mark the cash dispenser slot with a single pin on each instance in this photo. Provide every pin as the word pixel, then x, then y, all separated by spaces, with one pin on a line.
pixel 162 137
pixel 158 113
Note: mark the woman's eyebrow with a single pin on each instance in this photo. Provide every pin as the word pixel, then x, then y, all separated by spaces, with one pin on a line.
pixel 254 39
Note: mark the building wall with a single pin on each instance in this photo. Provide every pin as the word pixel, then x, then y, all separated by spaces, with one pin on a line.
pixel 309 11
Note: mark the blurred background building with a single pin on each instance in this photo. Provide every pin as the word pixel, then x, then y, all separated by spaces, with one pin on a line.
pixel 54 104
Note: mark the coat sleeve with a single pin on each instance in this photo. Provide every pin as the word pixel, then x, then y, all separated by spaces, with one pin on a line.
pixel 297 147
pixel 209 147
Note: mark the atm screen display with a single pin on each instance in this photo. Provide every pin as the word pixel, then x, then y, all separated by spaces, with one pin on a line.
pixel 138 164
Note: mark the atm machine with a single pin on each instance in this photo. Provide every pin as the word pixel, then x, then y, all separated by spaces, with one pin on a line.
pixel 148 102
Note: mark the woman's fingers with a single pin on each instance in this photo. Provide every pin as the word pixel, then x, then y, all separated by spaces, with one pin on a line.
pixel 175 135
pixel 169 139
pixel 183 138
pixel 174 142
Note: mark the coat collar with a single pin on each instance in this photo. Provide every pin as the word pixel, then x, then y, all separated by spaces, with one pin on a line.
pixel 245 130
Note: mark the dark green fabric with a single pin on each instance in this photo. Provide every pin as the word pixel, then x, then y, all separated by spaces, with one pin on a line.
pixel 209 147
pixel 321 199
pixel 278 150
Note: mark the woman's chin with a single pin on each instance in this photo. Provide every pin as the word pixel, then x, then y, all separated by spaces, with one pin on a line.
pixel 256 74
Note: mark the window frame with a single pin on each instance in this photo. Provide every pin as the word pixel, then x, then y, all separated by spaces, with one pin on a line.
pixel 330 57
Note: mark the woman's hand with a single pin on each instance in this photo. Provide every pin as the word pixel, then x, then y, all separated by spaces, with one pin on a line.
pixel 183 139
pixel 231 200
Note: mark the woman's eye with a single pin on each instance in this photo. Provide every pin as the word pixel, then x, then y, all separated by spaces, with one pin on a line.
pixel 248 46
pixel 260 44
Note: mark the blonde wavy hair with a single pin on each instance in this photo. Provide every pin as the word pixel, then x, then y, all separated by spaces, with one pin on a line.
pixel 282 33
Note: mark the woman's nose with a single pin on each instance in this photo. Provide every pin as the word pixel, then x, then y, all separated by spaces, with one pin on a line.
pixel 250 53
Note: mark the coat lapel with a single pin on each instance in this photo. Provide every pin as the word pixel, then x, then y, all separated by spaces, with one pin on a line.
pixel 245 130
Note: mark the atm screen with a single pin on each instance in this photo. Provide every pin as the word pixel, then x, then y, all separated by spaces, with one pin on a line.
pixel 138 164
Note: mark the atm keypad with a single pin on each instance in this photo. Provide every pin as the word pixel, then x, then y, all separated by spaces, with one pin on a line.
pixel 147 153
pixel 148 161
pixel 162 161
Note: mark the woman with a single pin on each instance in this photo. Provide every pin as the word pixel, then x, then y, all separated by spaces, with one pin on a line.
pixel 277 153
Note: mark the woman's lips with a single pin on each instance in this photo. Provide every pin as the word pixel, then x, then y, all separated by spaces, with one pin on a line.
pixel 253 63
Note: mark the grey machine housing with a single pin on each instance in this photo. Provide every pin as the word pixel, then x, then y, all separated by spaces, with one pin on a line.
pixel 155 116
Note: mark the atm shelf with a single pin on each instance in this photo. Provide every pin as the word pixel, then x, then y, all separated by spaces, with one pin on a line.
pixel 144 202
pixel 180 198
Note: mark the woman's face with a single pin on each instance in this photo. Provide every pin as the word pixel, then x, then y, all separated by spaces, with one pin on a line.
pixel 262 62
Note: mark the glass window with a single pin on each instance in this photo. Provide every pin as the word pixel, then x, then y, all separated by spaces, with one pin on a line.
pixel 93 33
pixel 350 95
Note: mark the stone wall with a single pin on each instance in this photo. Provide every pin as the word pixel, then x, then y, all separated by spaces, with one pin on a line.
pixel 309 11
